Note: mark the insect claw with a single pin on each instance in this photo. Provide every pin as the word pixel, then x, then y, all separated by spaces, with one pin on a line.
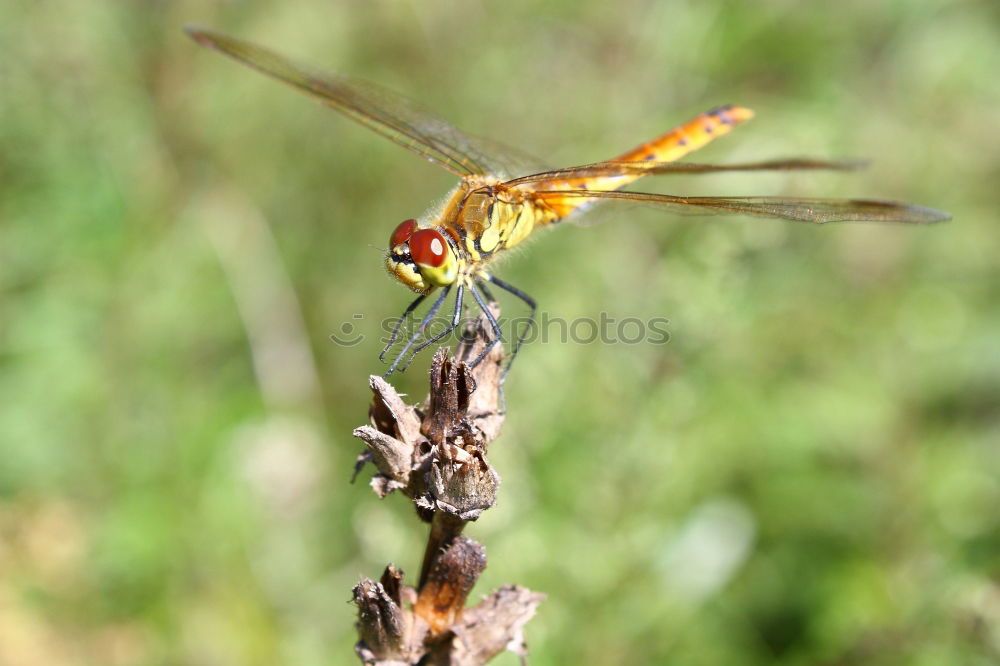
pixel 381 357
pixel 408 363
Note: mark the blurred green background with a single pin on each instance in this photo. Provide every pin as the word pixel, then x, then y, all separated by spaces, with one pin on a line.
pixel 806 474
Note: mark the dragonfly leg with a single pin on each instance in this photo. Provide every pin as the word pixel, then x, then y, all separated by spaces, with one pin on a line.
pixel 530 302
pixel 420 331
pixel 399 324
pixel 497 333
pixel 455 319
pixel 484 290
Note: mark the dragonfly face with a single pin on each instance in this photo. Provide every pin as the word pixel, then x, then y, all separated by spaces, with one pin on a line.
pixel 422 259
pixel 504 195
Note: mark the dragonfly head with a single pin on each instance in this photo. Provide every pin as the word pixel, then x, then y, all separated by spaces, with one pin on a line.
pixel 421 259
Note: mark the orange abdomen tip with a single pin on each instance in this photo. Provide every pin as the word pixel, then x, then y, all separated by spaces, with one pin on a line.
pixel 692 135
pixel 734 114
pixel 717 121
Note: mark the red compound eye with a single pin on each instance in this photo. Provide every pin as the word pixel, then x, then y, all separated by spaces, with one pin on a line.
pixel 428 248
pixel 402 232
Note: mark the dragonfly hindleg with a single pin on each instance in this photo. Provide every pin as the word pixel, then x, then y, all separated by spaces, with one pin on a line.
pixel 497 333
pixel 484 290
pixel 523 334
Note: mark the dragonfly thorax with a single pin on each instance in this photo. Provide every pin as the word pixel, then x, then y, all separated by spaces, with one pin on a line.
pixel 422 259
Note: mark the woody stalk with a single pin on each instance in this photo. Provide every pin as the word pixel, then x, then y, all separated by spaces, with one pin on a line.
pixel 435 455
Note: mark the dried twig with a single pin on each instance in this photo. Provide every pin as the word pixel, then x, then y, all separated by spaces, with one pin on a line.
pixel 436 456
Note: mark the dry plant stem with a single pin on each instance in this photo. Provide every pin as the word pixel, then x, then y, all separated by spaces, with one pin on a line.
pixel 445 528
pixel 436 456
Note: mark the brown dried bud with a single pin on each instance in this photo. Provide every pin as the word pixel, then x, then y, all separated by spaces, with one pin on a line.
pixel 437 456
pixel 449 582
pixel 381 622
pixel 461 483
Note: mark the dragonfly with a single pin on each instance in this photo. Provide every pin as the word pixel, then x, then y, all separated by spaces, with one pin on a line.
pixel 504 196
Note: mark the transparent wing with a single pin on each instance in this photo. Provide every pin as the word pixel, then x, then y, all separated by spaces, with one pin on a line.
pixel 615 169
pixel 817 211
pixel 391 115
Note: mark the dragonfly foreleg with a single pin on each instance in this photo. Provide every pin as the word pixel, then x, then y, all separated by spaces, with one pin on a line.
pixel 420 330
pixel 452 325
pixel 399 324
